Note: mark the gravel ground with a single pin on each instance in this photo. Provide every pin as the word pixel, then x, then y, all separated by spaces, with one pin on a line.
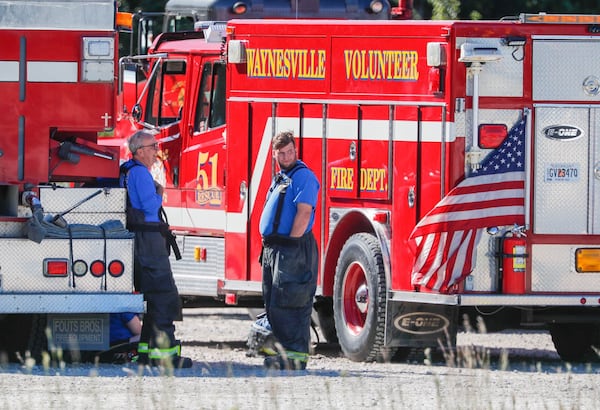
pixel 508 370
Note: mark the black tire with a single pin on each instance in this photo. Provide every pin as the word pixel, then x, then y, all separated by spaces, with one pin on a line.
pixel 359 299
pixel 574 341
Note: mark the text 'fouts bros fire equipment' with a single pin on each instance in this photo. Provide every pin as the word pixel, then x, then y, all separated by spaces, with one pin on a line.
pixel 66 260
pixel 459 165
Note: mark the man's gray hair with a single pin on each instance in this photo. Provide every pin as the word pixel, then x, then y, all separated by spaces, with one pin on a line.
pixel 137 140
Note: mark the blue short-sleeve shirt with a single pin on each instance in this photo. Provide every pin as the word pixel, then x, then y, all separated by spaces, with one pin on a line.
pixel 142 190
pixel 303 188
pixel 118 326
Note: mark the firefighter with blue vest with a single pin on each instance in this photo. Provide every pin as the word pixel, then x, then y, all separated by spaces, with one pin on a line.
pixel 290 256
pixel 153 275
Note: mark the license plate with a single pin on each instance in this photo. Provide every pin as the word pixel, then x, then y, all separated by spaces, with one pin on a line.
pixel 562 173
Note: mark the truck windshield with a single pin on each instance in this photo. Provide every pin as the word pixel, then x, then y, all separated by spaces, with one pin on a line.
pixel 166 93
pixel 179 23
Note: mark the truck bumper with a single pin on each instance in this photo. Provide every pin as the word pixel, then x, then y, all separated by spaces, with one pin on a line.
pixel 71 303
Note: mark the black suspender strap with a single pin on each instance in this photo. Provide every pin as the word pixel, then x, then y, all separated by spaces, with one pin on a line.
pixel 287 179
pixel 162 227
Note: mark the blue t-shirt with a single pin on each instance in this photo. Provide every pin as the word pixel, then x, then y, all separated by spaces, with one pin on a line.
pixel 118 326
pixel 303 188
pixel 142 191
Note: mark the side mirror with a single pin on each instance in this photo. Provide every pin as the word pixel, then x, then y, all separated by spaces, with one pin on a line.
pixel 136 112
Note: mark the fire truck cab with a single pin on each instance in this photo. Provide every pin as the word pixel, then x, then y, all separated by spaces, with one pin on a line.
pixel 397 119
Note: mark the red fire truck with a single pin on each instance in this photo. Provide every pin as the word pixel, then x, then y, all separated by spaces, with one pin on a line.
pixel 458 163
pixel 66 260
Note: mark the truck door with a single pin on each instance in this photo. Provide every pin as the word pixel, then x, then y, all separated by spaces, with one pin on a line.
pixel 203 157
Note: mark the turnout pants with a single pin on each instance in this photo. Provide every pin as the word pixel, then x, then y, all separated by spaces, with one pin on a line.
pixel 154 279
pixel 289 282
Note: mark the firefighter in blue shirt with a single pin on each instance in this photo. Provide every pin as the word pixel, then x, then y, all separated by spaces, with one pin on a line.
pixel 153 275
pixel 290 256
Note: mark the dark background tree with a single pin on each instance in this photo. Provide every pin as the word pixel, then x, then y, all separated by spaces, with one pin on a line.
pixel 494 10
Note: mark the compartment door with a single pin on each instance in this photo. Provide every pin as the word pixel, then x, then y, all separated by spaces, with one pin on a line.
pixel 565 193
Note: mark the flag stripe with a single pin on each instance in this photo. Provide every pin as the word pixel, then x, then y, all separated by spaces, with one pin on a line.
pixel 476 197
pixel 484 222
pixel 484 204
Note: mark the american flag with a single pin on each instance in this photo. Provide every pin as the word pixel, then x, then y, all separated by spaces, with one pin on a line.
pixel 493 195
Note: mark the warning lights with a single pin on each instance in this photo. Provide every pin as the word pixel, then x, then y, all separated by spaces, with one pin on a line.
pixel 59 267
pixel 559 18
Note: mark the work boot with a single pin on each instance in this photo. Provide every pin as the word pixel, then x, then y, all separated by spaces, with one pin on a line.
pixel 178 362
pixel 141 358
pixel 182 362
pixel 277 362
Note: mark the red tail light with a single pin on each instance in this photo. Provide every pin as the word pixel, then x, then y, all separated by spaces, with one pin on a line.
pixel 56 267
pixel 97 268
pixel 116 268
pixel 492 135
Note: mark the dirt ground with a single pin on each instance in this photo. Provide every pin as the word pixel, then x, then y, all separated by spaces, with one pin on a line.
pixel 508 370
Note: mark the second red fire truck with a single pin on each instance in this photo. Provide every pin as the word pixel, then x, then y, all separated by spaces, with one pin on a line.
pixel 458 160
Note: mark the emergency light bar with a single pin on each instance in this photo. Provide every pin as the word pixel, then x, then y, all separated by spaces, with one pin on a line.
pixel 559 18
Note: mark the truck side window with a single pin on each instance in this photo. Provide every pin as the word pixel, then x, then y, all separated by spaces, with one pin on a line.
pixel 217 107
pixel 203 104
pixel 153 102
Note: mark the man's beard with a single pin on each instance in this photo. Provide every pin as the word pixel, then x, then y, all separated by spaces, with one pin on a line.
pixel 292 165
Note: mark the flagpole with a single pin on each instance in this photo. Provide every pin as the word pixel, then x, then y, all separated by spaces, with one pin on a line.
pixel 528 157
